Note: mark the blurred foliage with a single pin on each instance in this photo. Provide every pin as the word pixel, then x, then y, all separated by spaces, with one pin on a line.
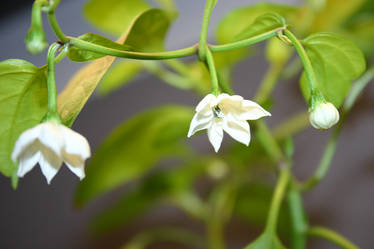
pixel 156 134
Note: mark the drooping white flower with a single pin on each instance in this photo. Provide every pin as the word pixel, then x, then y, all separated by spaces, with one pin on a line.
pixel 225 113
pixel 50 144
pixel 324 116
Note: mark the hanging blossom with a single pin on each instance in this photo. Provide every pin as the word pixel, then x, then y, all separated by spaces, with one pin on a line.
pixel 225 113
pixel 50 144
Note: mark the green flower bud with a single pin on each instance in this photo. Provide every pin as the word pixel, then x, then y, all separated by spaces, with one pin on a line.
pixel 35 40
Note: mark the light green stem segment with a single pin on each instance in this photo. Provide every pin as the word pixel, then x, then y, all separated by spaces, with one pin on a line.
pixel 245 42
pixel 280 190
pixel 304 59
pixel 92 47
pixel 213 72
pixel 268 83
pixel 36 20
pixel 331 236
pixel 204 29
pixel 51 82
pixel 298 220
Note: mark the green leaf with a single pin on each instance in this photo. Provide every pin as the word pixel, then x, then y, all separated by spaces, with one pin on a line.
pixel 149 31
pixel 336 62
pixel 167 4
pixel 262 24
pixel 120 74
pixel 149 192
pixel 239 19
pixel 266 241
pixel 154 134
pixel 114 16
pixel 23 103
pixel 80 55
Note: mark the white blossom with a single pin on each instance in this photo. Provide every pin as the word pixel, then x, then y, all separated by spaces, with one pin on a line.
pixel 324 116
pixel 225 113
pixel 50 144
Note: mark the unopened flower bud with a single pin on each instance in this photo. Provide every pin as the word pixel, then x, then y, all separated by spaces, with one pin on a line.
pixel 324 116
pixel 35 40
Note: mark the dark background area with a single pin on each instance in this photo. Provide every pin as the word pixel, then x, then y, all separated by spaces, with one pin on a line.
pixel 42 216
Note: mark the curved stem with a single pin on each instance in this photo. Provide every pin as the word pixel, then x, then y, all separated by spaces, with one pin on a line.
pixel 132 55
pixel 56 27
pixel 212 70
pixel 245 42
pixel 280 189
pixel 332 236
pixel 51 82
pixel 204 29
pixel 304 59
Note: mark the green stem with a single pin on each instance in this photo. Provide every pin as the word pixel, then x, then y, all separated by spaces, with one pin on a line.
pixel 36 19
pixel 304 59
pixel 298 221
pixel 92 47
pixel 204 29
pixel 325 161
pixel 245 42
pixel 56 27
pixel 280 189
pixel 331 236
pixel 213 73
pixel 51 82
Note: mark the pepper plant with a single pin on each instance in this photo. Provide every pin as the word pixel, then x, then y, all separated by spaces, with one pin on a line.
pixel 331 50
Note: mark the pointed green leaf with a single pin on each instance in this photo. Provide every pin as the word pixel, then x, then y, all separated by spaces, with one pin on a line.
pixel 80 55
pixel 114 16
pixel 239 19
pixel 23 103
pixel 261 25
pixel 149 31
pixel 153 135
pixel 336 62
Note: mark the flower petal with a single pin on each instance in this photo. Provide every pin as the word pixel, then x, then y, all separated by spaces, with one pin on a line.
pixel 49 162
pixel 215 135
pixel 200 122
pixel 237 129
pixel 76 149
pixel 206 103
pixel 251 111
pixel 24 140
pixel 77 170
pixel 51 136
pixel 27 163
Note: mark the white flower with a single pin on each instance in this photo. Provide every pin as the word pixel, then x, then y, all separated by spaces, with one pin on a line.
pixel 324 116
pixel 225 113
pixel 50 144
